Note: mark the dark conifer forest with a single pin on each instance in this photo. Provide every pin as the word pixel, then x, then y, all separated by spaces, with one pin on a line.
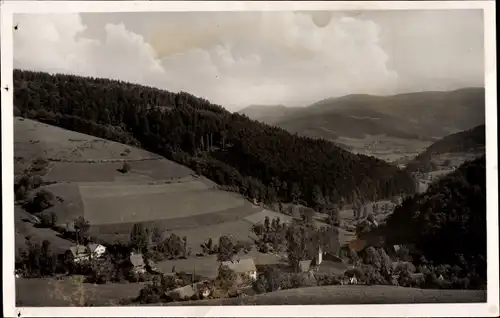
pixel 259 161
pixel 447 223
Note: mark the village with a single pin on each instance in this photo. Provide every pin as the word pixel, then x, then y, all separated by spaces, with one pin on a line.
pixel 286 255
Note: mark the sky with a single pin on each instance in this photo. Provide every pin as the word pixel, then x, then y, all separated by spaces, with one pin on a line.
pixel 236 59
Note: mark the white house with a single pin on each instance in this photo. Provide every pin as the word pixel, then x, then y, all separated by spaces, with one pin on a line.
pixel 137 262
pixel 242 267
pixel 96 250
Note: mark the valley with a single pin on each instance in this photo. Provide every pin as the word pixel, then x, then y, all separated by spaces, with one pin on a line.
pixel 179 198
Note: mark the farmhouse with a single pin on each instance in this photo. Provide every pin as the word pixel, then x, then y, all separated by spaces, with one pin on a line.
pixel 242 267
pixel 136 263
pixel 201 289
pixel 181 293
pixel 96 250
pixel 77 253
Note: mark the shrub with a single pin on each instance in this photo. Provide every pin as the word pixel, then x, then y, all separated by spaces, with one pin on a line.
pixel 226 278
pixel 260 285
pixel 328 280
pixel 42 200
pixel 125 168
pixel 20 193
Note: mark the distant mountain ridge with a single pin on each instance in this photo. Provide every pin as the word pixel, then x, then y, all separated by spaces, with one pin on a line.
pixel 267 113
pixel 425 115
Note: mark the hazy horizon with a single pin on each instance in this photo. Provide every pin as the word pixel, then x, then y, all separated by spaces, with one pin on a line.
pixel 237 59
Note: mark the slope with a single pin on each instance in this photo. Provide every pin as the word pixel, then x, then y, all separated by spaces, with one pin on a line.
pixel 347 294
pixel 264 163
pixel 447 223
pixel 83 173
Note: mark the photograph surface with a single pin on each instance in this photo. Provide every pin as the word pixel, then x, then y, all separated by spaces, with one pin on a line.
pixel 294 157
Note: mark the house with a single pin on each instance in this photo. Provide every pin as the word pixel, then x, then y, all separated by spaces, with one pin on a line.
pixel 202 289
pixel 77 253
pixel 242 267
pixel 96 250
pixel 181 293
pixel 137 262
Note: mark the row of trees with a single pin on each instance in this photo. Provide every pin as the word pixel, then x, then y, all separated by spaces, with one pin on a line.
pixel 262 162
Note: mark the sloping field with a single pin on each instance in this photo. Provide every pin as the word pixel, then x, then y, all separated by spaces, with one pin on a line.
pixel 32 138
pixel 116 203
pixel 261 216
pixel 348 294
pixel 156 192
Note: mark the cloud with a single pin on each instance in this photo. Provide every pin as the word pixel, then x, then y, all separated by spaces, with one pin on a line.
pixel 54 43
pixel 236 59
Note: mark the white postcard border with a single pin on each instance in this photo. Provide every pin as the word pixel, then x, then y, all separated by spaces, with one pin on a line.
pixel 491 308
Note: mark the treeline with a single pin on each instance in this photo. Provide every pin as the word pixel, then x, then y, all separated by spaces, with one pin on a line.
pixel 447 223
pixel 473 140
pixel 259 161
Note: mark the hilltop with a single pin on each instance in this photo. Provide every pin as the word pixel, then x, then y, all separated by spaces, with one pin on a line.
pixel 268 114
pixel 425 115
pixel 264 163
pixel 451 150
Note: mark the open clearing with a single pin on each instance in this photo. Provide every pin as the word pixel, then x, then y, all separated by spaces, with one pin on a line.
pixel 33 139
pixel 129 203
pixel 384 147
pixel 145 170
pixel 261 216
pixel 348 294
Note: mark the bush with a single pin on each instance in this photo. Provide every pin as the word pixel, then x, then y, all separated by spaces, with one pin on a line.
pixel 324 280
pixel 44 199
pixel 150 294
pixel 125 168
pixel 260 285
pixel 20 193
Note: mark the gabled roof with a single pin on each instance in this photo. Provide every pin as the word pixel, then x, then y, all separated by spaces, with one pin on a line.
pixel 181 292
pixel 241 266
pixel 136 260
pixel 93 246
pixel 78 250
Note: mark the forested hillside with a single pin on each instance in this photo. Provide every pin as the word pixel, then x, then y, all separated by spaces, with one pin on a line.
pixel 447 222
pixel 262 162
pixel 473 140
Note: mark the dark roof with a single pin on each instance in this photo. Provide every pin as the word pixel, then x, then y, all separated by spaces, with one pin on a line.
pixel 78 250
pixel 136 260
